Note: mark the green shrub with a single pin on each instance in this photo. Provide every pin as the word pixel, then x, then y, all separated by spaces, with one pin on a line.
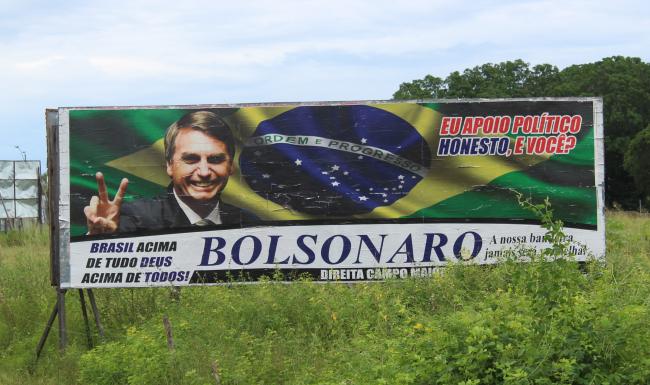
pixel 141 358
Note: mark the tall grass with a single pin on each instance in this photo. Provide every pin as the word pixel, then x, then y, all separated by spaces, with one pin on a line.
pixel 534 323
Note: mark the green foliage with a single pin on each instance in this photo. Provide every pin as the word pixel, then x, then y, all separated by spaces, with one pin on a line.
pixel 623 82
pixel 428 87
pixel 502 80
pixel 139 359
pixel 515 323
pixel 637 161
pixel 555 236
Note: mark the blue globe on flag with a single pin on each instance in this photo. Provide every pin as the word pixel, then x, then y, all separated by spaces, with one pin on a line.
pixel 334 161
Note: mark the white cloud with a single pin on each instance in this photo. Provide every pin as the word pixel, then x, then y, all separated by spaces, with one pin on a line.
pixel 38 64
pixel 145 51
pixel 208 37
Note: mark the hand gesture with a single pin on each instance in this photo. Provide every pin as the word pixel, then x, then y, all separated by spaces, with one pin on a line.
pixel 102 215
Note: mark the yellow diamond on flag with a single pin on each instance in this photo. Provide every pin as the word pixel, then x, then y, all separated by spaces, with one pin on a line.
pixel 147 164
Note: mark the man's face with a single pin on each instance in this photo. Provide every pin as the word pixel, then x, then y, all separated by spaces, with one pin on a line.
pixel 200 166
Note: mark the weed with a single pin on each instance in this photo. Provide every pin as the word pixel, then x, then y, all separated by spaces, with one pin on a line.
pixel 514 323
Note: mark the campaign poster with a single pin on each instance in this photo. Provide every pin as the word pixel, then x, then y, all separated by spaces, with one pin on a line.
pixel 346 191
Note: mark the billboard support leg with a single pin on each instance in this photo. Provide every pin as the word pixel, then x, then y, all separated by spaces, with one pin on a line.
pixel 59 310
pixel 46 332
pixel 93 305
pixel 85 315
pixel 63 338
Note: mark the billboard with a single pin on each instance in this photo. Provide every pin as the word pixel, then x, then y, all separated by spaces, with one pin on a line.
pixel 351 191
pixel 20 189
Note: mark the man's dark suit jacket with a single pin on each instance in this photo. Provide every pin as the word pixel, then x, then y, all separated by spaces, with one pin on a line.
pixel 165 213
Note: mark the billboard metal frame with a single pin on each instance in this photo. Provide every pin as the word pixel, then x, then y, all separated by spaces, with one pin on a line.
pixel 58 138
pixel 57 122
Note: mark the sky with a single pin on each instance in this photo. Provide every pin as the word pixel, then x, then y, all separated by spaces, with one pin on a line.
pixel 145 52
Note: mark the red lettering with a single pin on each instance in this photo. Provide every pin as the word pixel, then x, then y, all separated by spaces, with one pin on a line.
pixel 540 145
pixel 535 127
pixel 551 144
pixel 478 124
pixel 454 129
pixel 528 124
pixel 490 127
pixel 504 124
pixel 444 125
pixel 518 122
pixel 530 144
pixel 468 126
pixel 564 123
pixel 576 124
pixel 561 143
pixel 571 142
pixel 519 145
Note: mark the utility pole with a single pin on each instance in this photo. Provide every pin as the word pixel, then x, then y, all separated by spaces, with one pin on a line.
pixel 23 153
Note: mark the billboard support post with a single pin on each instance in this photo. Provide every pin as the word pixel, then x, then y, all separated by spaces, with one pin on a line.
pixel 52 123
pixel 93 305
pixel 46 332
pixel 85 315
pixel 59 310
pixel 63 337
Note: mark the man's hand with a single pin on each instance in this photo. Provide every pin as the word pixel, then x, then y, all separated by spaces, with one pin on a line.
pixel 102 215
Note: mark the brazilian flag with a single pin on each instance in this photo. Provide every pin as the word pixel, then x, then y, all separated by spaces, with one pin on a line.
pixel 345 162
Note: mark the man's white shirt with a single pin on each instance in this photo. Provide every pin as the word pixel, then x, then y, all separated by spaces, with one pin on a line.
pixel 194 218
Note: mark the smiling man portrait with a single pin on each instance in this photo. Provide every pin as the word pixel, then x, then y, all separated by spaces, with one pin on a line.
pixel 199 152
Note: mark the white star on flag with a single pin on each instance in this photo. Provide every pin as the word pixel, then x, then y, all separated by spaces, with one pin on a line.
pixel 364 140
pixel 266 176
pixel 363 198
pixel 335 167
pixel 335 183
pixel 400 177
pixel 298 162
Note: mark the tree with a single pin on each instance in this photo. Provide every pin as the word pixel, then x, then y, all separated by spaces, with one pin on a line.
pixel 429 87
pixel 624 84
pixel 637 161
pixel 509 79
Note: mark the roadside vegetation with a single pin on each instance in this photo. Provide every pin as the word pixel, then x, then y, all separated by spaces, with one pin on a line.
pixel 532 323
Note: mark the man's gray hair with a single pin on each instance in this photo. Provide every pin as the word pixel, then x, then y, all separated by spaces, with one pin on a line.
pixel 205 121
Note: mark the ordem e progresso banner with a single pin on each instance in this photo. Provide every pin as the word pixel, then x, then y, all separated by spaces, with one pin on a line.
pixel 157 196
